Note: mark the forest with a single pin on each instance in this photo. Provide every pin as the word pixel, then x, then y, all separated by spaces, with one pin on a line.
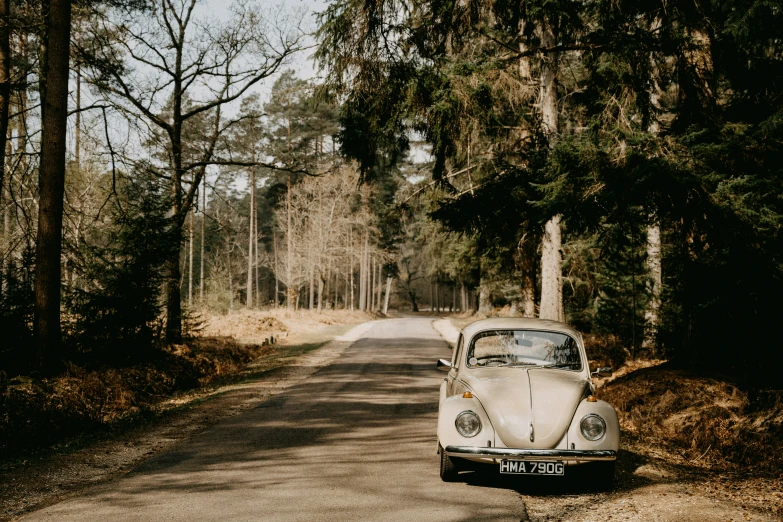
pixel 612 165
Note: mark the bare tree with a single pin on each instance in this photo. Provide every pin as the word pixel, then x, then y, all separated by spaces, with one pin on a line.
pixel 324 219
pixel 173 70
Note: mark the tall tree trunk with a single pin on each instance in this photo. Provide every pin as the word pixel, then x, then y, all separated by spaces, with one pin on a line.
pixel 524 60
pixel 551 273
pixel 378 285
pixel 365 275
pixel 412 298
pixel 485 305
pixel 350 254
pixel 336 289
pixel 290 248
pixel 551 255
pixel 526 262
pixel 173 292
pixel 6 244
pixel 386 299
pixel 548 87
pixel 312 287
pixel 203 234
pixel 190 262
pixel 5 85
pixel 249 297
pixel 528 295
pixel 5 142
pixel 367 280
pixel 373 283
pixel 277 279
pixel 20 150
pixel 371 266
pixel 654 261
pixel 77 145
pixel 230 282
pixel 655 284
pixel 346 297
pixel 361 281
pixel 52 182
pixel 320 291
pixel 437 297
pixel 379 279
pixel 173 285
pixel 5 189
pixel 21 120
pixel 256 262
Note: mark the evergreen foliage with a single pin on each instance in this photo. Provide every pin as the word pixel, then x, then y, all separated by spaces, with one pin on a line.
pixel 16 314
pixel 669 116
pixel 117 316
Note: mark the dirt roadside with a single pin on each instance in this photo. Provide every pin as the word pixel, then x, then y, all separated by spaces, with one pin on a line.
pixel 52 477
pixel 653 483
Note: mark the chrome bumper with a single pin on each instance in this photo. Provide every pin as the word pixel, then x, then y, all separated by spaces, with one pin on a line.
pixel 537 454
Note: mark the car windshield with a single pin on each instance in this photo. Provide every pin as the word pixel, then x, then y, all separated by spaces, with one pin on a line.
pixel 524 348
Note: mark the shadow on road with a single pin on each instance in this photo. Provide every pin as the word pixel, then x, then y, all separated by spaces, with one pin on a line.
pixel 354 441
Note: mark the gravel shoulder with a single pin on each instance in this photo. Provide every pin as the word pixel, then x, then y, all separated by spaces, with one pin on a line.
pixel 54 475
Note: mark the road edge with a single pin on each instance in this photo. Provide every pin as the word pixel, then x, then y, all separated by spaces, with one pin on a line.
pixel 59 476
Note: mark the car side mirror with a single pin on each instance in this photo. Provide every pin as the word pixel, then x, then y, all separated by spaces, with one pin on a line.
pixel 606 371
pixel 444 365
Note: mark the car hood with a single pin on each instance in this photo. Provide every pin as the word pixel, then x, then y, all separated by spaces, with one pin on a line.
pixel 505 394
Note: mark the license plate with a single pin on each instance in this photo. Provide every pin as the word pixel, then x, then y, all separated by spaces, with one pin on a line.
pixel 528 467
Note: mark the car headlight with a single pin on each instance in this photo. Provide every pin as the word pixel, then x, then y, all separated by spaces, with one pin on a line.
pixel 593 427
pixel 468 424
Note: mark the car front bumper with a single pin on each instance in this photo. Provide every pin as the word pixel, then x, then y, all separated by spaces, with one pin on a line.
pixel 475 452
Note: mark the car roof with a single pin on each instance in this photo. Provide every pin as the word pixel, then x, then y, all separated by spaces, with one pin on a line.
pixel 517 323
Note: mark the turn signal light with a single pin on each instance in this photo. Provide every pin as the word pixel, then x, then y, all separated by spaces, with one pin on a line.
pixel 592 398
pixel 467 395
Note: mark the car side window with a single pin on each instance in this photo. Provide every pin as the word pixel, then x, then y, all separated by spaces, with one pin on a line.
pixel 457 353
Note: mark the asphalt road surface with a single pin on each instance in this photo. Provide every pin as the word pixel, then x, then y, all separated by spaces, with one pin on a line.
pixel 356 441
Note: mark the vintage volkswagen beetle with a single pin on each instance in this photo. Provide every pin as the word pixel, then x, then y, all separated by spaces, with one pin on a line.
pixel 519 395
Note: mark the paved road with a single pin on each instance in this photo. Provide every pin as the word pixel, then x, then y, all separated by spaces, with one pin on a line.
pixel 356 441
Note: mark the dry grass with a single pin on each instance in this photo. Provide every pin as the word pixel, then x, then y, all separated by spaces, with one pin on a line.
pixel 698 419
pixel 36 413
pixel 691 418
pixel 254 326
pixel 41 412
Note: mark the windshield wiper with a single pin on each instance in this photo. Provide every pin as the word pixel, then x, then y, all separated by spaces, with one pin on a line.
pixel 493 362
pixel 558 365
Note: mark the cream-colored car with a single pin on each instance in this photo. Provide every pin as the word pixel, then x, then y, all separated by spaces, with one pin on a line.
pixel 519 395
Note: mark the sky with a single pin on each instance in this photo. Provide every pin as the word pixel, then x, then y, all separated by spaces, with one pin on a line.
pixel 302 62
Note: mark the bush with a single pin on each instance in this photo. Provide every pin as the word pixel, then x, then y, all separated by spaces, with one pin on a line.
pixel 17 298
pixel 117 312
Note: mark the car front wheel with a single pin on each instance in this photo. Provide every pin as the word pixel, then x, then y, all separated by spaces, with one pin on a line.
pixel 448 471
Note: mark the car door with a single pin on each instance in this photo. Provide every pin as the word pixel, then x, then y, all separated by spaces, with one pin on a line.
pixel 455 366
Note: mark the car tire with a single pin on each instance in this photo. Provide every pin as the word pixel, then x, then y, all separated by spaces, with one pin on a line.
pixel 603 475
pixel 448 470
